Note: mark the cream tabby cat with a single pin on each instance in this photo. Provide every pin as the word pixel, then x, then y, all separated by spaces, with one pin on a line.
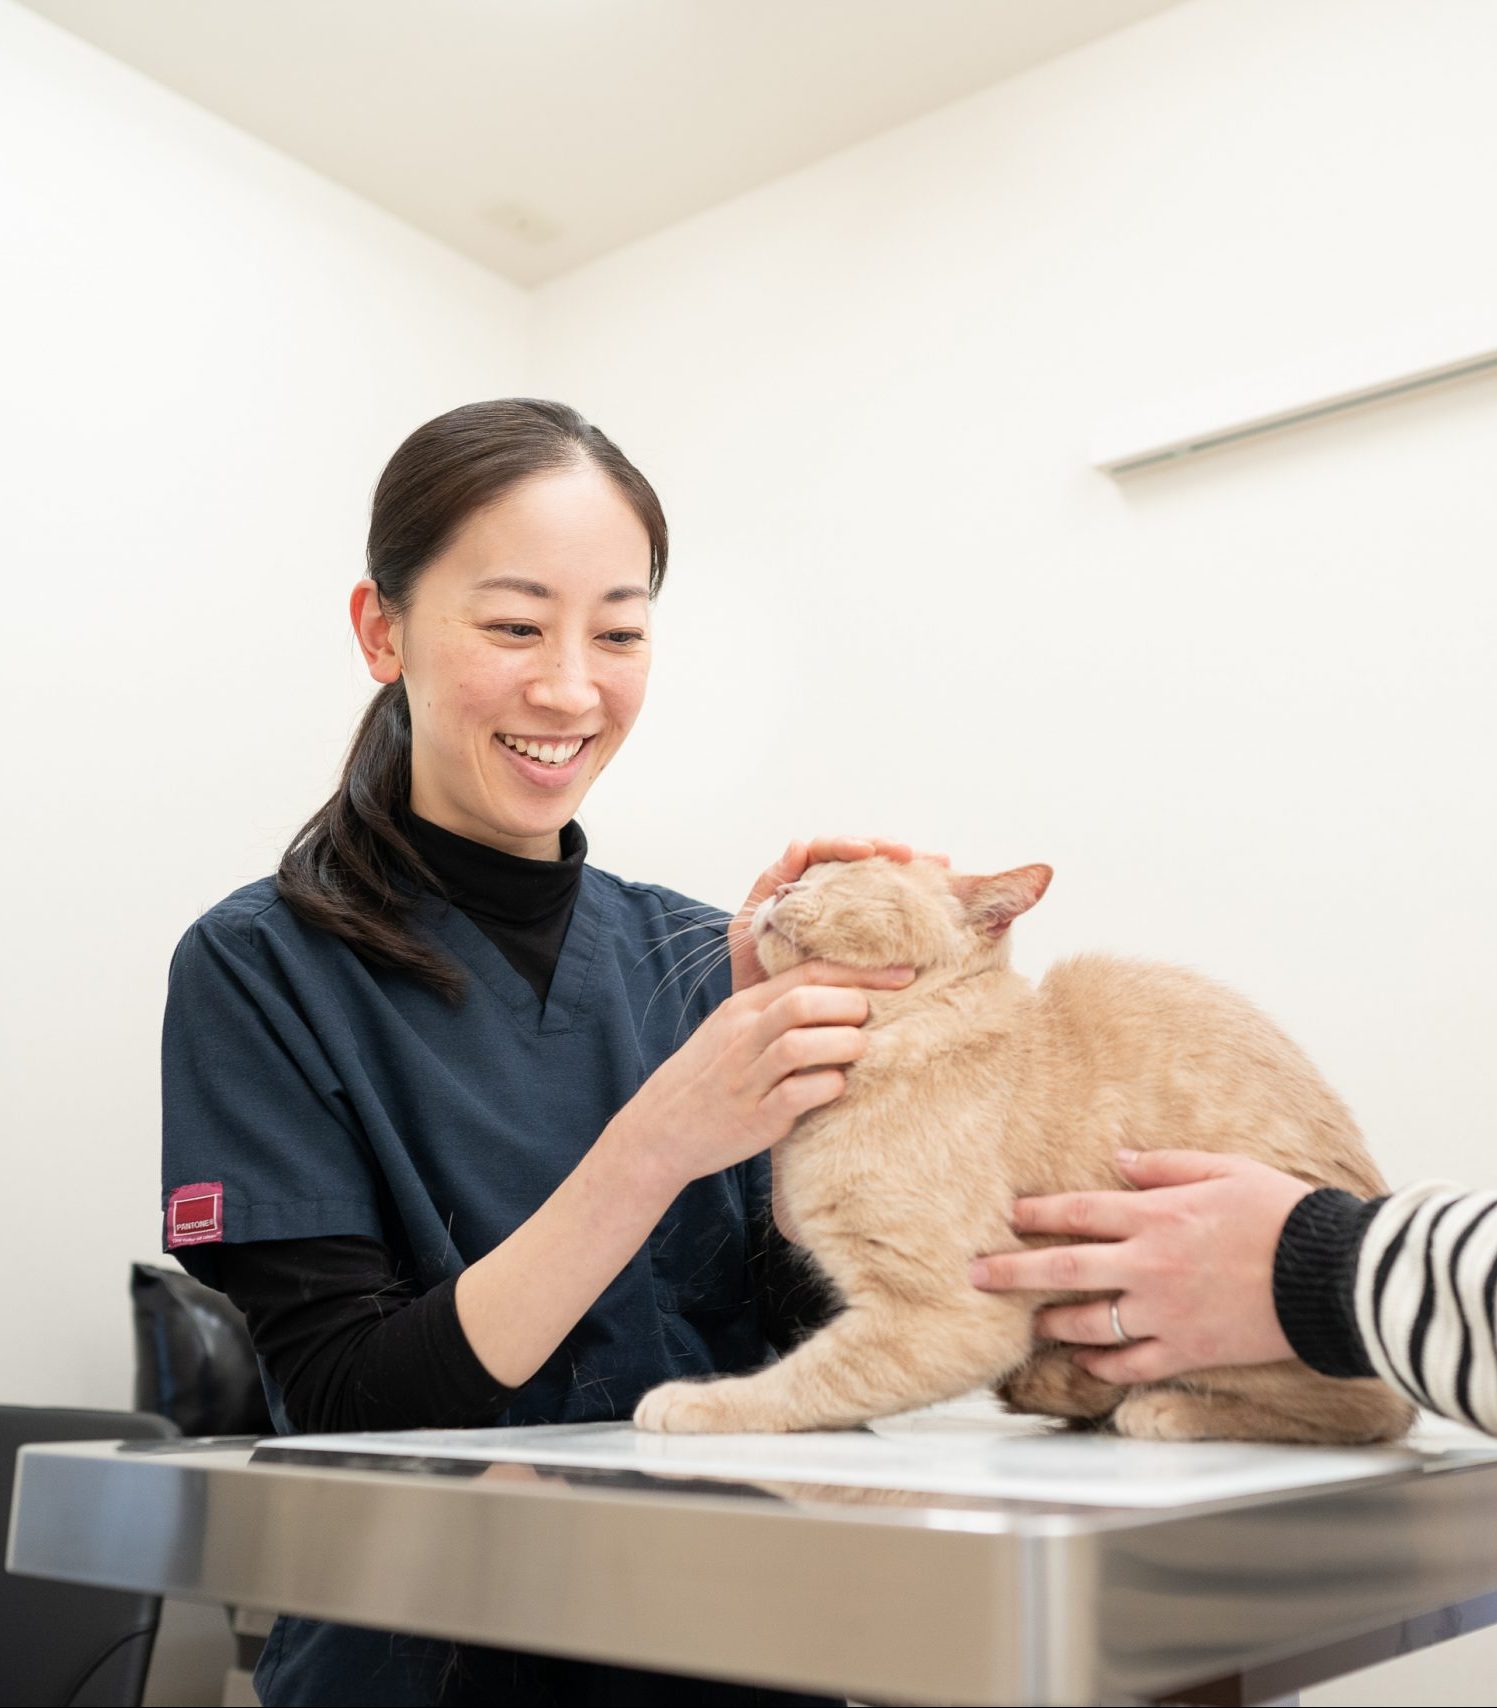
pixel 976 1087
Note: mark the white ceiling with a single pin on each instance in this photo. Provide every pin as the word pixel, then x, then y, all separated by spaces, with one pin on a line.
pixel 534 135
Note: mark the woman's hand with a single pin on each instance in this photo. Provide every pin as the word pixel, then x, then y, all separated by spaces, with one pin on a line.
pixel 1191 1264
pixel 790 868
pixel 753 1067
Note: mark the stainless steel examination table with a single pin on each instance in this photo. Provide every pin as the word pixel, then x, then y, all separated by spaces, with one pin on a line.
pixel 955 1556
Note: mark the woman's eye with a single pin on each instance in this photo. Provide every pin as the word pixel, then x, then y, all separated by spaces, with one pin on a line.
pixel 624 637
pixel 511 628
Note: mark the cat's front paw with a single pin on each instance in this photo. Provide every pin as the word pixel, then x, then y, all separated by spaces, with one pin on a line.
pixel 683 1408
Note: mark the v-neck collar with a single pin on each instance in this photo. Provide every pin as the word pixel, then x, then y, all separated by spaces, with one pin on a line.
pixel 571 983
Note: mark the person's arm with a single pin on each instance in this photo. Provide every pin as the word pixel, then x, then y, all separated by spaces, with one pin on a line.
pixel 352 1346
pixel 350 1343
pixel 736 1087
pixel 1227 1261
pixel 1425 1299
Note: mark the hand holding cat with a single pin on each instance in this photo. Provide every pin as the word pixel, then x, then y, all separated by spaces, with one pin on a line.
pixel 1190 1261
pixel 790 868
pixel 753 1067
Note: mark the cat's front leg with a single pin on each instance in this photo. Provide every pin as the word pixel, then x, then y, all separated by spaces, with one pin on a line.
pixel 718 1407
pixel 875 1358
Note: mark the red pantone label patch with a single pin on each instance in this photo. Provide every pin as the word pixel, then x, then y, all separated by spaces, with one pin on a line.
pixel 195 1214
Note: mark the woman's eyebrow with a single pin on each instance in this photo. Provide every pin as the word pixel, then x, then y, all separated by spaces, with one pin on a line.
pixel 538 590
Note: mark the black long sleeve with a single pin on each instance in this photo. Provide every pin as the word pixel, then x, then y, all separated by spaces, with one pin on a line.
pixel 1315 1278
pixel 350 1343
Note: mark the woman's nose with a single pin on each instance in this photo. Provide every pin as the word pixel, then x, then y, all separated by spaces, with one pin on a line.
pixel 564 685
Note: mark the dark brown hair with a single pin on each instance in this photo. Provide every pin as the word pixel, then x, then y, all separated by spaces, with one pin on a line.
pixel 351 869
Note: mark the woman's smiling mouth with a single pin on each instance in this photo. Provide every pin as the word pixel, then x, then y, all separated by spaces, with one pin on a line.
pixel 546 763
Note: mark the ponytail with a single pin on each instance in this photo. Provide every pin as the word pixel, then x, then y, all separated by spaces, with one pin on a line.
pixel 351 869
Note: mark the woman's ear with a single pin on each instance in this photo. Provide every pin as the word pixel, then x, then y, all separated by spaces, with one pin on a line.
pixel 378 637
pixel 993 904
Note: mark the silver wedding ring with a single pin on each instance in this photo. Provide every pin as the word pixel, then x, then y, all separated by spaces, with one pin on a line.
pixel 1118 1332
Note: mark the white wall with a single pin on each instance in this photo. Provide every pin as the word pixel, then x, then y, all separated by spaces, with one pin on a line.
pixel 206 354
pixel 1245 708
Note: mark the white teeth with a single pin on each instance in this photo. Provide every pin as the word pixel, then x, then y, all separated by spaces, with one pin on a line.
pixel 547 752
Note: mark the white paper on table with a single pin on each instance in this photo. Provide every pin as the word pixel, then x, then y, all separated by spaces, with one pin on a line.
pixel 963 1449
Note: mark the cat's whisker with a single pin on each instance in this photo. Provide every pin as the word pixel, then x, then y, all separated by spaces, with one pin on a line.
pixel 658 943
pixel 719 914
pixel 695 953
pixel 685 965
pixel 711 917
pixel 707 974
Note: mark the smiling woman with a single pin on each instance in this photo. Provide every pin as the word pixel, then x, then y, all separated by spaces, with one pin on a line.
pixel 521 687
pixel 429 1118
pixel 502 535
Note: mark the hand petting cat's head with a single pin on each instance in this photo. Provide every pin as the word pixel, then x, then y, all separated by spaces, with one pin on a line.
pixel 881 913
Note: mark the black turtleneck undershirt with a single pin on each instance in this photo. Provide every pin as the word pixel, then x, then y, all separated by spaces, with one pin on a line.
pixel 522 906
pixel 338 1324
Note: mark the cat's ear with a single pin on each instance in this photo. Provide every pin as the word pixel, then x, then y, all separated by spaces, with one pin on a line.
pixel 993 904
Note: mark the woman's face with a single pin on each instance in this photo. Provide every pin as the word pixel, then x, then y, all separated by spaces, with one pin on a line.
pixel 530 630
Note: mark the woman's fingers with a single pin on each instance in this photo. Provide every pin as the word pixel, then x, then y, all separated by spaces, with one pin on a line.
pixel 798 1092
pixel 822 848
pixel 1086 1325
pixel 1057 1269
pixel 808 1006
pixel 806 1026
pixel 860 848
pixel 1173 1167
pixel 822 973
pixel 803 1050
pixel 900 851
pixel 1094 1215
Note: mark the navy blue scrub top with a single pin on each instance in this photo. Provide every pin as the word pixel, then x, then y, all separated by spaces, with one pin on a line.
pixel 308 1093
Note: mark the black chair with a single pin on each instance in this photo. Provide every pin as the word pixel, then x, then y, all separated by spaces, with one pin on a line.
pixel 64 1644
pixel 193 1359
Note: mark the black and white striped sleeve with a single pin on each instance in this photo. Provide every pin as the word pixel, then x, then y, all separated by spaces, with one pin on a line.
pixel 1404 1288
pixel 1426 1281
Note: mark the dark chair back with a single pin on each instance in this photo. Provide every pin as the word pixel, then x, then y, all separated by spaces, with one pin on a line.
pixel 65 1645
pixel 193 1358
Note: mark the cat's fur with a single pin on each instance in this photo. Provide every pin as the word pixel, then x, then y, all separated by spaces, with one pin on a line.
pixel 977 1087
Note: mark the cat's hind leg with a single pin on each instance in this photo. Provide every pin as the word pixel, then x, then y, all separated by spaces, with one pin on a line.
pixel 1271 1402
pixel 1052 1384
pixel 879 1356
